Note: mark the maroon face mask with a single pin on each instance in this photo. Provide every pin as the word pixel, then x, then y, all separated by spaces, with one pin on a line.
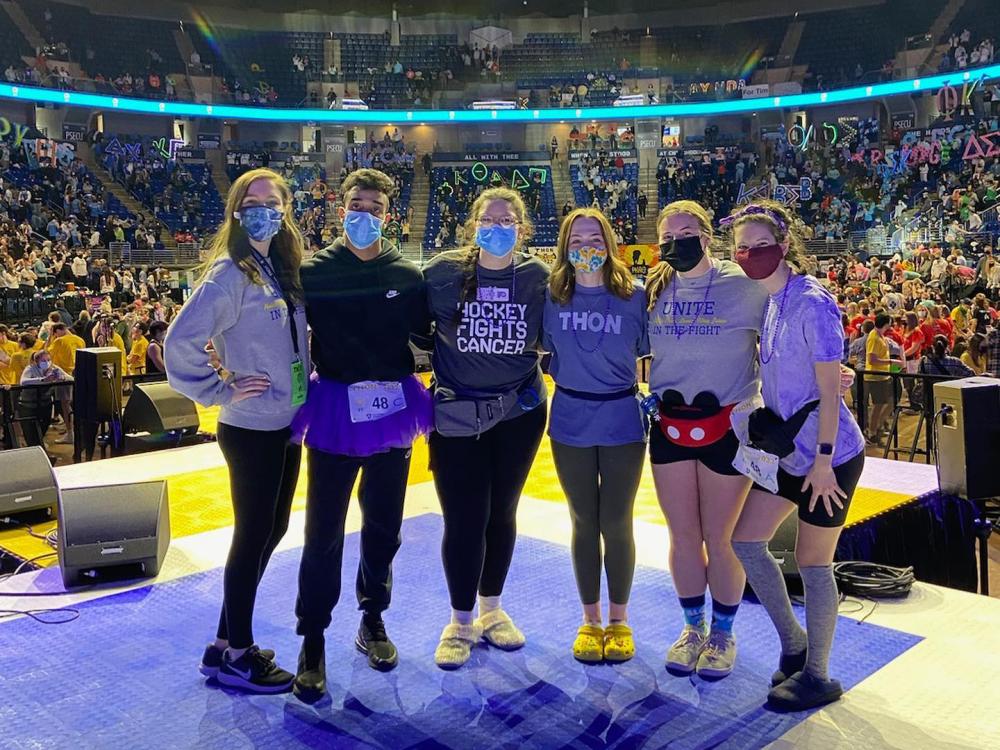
pixel 759 262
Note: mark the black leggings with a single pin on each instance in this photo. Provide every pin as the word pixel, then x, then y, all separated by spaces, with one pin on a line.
pixel 479 482
pixel 263 471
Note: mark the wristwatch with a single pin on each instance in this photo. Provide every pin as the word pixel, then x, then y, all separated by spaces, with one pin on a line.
pixel 824 449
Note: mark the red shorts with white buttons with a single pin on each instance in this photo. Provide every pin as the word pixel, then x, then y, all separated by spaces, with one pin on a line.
pixel 717 455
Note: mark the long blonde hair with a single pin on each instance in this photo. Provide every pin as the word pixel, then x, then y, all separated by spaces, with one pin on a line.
pixel 470 253
pixel 617 277
pixel 661 274
pixel 231 239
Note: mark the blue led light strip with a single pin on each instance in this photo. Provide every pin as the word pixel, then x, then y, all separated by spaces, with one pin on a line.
pixel 398 116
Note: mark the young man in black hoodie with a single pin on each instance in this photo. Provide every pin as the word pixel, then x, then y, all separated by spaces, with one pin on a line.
pixel 363 301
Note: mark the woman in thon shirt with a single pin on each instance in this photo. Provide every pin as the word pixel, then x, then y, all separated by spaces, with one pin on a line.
pixel 800 350
pixel 704 317
pixel 486 301
pixel 595 327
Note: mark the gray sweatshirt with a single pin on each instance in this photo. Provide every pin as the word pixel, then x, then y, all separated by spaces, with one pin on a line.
pixel 249 328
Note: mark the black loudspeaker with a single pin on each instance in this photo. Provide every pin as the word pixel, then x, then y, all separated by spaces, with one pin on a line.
pixel 968 437
pixel 113 525
pixel 97 390
pixel 782 545
pixel 26 481
pixel 157 408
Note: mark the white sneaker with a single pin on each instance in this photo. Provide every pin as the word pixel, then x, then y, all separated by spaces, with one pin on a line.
pixel 683 655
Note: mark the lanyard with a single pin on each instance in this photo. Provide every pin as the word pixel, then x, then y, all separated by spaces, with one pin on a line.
pixel 269 272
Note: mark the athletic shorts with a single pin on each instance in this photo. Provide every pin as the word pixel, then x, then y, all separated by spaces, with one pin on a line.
pixel 880 391
pixel 790 488
pixel 718 456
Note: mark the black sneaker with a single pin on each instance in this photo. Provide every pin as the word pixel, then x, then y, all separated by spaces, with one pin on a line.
pixel 211 660
pixel 372 640
pixel 310 682
pixel 788 665
pixel 254 673
pixel 803 691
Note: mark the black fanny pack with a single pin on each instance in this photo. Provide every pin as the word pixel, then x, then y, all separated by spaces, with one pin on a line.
pixel 613 396
pixel 460 414
pixel 772 434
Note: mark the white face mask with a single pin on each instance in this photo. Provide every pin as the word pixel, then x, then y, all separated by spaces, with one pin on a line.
pixel 44 365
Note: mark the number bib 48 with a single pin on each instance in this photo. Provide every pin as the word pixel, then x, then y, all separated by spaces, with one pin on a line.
pixel 373 399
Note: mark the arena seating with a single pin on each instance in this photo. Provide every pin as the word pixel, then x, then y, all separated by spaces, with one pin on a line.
pixel 23 176
pixel 102 35
pixel 172 190
pixel 716 53
pixel 626 208
pixel 545 220
pixel 834 42
pixel 262 60
pixel 13 47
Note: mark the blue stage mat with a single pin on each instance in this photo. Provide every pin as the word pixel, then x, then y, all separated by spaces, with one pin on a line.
pixel 124 675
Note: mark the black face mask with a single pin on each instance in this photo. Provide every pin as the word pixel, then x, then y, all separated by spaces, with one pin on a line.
pixel 683 253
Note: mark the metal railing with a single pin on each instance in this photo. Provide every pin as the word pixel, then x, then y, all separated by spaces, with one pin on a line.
pixel 919 402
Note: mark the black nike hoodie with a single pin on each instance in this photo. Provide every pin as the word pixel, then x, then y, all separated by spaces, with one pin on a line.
pixel 362 313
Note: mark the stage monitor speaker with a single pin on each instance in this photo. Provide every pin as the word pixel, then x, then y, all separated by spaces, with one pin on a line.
pixel 112 525
pixel 968 437
pixel 97 390
pixel 157 408
pixel 27 481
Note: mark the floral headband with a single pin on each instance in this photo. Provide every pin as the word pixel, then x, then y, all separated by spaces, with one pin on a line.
pixel 756 210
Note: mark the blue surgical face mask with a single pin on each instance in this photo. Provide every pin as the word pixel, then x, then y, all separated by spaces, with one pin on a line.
pixel 496 240
pixel 44 365
pixel 260 222
pixel 362 228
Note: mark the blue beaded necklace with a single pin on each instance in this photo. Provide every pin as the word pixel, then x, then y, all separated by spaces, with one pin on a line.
pixel 773 334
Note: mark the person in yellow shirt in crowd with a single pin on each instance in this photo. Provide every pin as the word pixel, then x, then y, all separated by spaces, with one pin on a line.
pixel 8 348
pixel 62 346
pixel 962 315
pixel 880 387
pixel 137 356
pixel 19 360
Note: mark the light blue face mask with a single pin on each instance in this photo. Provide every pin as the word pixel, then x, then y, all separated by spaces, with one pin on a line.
pixel 496 240
pixel 261 223
pixel 362 228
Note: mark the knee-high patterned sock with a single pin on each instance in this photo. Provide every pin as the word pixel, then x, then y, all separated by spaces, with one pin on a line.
pixel 694 611
pixel 768 584
pixel 822 601
pixel 723 616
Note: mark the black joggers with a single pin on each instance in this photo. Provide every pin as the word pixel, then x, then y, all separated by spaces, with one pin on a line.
pixel 479 482
pixel 381 494
pixel 263 471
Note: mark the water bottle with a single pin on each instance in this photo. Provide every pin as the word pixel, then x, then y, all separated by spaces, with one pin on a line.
pixel 650 406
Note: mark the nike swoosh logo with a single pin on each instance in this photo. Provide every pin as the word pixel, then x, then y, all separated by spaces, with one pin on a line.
pixel 245 675
pixel 391 293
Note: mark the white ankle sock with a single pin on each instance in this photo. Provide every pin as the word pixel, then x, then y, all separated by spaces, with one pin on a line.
pixel 488 604
pixel 458 617
pixel 236 653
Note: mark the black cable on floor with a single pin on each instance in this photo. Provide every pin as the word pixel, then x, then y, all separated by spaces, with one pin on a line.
pixel 871 580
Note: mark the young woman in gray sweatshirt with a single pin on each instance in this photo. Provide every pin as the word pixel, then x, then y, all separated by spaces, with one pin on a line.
pixel 248 305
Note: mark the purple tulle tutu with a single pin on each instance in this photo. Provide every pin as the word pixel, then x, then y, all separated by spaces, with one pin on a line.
pixel 324 421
